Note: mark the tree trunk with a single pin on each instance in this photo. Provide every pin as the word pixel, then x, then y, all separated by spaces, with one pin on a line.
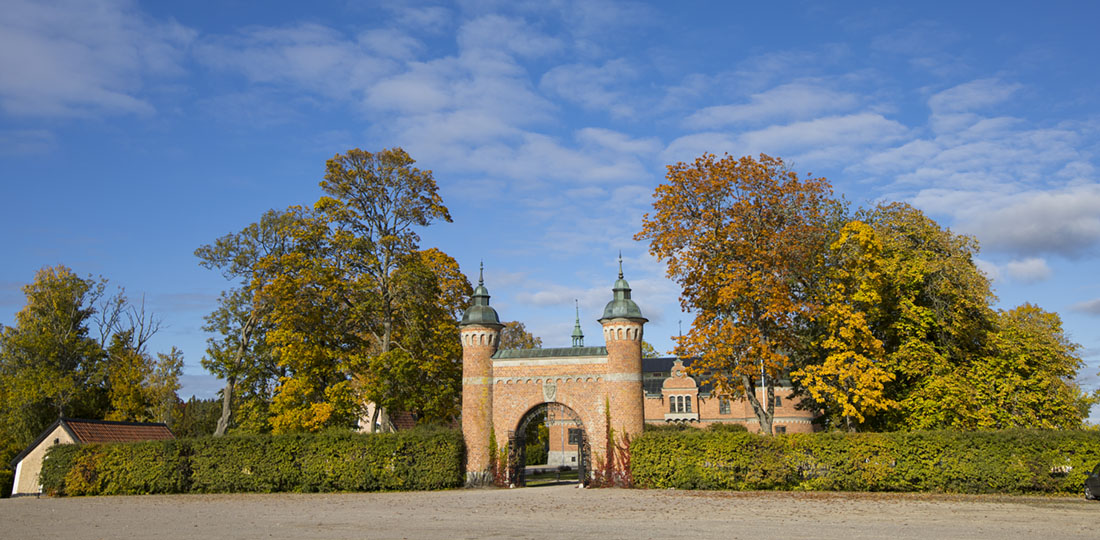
pixel 387 334
pixel 764 414
pixel 230 381
pixel 227 406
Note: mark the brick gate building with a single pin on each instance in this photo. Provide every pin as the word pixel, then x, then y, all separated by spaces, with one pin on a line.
pixel 502 388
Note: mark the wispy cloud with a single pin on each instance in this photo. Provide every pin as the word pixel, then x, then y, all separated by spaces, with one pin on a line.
pixel 1091 307
pixel 73 58
pixel 793 101
pixel 1023 189
pixel 598 88
pixel 825 140
pixel 21 142
pixel 307 56
pixel 502 34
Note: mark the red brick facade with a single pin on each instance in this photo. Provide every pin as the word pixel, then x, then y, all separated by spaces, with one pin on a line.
pixel 680 400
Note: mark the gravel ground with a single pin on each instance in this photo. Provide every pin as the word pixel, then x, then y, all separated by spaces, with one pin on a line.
pixel 552 512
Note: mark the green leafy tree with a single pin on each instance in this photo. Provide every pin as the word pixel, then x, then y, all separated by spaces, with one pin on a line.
pixel 934 319
pixel 196 417
pixel 344 277
pixel 422 374
pixel 50 364
pixel 128 371
pixel 648 351
pixel 514 335
pixel 239 353
pixel 1027 378
pixel 164 385
pixel 745 239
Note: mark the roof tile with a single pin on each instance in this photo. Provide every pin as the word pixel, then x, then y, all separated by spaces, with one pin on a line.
pixel 103 431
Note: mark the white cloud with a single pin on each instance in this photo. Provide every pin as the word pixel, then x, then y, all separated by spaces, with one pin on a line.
pixel 1091 307
pixel 831 139
pixel 592 86
pixel 391 43
pixel 429 18
pixel 78 58
pixel 1021 189
pixel 619 142
pixel 990 269
pixel 1060 221
pixel 497 33
pixel 308 56
pixel 793 101
pixel 1029 270
pixel 971 96
pixel 689 147
pixel 850 130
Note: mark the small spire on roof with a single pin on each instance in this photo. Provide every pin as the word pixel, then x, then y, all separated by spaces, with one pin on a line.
pixel 620 264
pixel 578 334
pixel 481 274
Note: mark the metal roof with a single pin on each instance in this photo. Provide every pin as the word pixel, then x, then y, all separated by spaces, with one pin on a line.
pixel 553 352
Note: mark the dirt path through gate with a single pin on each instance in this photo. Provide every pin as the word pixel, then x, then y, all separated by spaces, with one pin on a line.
pixel 551 512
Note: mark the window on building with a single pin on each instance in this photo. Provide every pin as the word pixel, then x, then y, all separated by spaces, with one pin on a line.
pixel 672 404
pixel 687 403
pixel 574 436
pixel 779 429
pixel 778 402
pixel 652 383
pixel 723 406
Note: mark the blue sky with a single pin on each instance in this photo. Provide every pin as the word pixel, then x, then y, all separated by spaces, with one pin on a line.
pixel 133 132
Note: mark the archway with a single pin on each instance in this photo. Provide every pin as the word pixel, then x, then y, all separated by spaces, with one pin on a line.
pixel 567 442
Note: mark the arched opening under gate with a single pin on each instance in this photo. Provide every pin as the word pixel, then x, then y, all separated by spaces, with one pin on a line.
pixel 549 445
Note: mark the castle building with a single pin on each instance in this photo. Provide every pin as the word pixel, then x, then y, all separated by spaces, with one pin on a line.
pixel 585 395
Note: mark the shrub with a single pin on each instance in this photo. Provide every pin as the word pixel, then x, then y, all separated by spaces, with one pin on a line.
pixel 425 458
pixel 55 465
pixel 727 428
pixel 6 478
pixel 671 426
pixel 1013 461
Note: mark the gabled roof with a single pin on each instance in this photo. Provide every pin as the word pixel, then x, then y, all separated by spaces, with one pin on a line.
pixel 102 431
pixel 650 365
pixel 105 431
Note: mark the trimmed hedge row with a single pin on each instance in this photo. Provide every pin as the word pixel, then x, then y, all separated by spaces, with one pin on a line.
pixel 411 460
pixel 1013 461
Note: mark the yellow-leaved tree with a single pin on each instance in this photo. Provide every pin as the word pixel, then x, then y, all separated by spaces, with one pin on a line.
pixel 850 381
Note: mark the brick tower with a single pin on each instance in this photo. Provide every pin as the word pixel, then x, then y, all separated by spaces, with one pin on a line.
pixel 480 331
pixel 622 330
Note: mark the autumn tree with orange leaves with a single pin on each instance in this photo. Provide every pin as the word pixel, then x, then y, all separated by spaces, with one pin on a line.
pixel 745 239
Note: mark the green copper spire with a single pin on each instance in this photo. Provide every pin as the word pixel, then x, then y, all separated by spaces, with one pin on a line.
pixel 480 312
pixel 622 307
pixel 578 334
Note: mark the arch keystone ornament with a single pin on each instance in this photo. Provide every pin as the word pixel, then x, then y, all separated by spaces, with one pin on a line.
pixel 586 392
pixel 549 390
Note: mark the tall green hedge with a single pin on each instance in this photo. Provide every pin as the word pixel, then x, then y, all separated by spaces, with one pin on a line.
pixel 412 460
pixel 1014 461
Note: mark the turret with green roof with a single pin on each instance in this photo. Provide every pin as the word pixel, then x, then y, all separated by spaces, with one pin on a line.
pixel 621 306
pixel 480 312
